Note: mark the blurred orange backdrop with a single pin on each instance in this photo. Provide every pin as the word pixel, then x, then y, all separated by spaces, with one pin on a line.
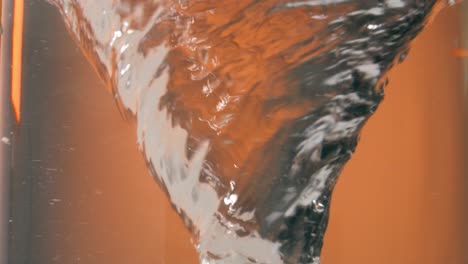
pixel 399 200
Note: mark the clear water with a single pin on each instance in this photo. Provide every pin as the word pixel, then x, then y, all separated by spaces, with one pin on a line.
pixel 247 110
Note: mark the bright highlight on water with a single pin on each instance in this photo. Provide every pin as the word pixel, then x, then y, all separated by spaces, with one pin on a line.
pixel 247 110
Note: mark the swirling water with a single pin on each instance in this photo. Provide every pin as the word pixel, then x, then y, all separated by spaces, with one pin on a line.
pixel 247 110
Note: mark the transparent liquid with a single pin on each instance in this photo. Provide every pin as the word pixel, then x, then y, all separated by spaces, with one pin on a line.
pixel 238 97
pixel 247 124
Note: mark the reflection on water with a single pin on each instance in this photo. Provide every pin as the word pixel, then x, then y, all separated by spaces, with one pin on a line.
pixel 244 117
pixel 239 97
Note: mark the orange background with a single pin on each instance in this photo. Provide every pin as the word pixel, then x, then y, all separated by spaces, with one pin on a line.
pixel 399 200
